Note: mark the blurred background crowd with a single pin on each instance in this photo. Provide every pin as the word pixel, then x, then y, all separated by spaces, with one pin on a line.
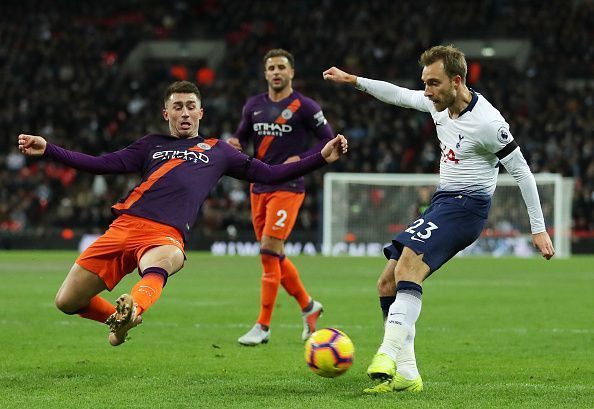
pixel 66 76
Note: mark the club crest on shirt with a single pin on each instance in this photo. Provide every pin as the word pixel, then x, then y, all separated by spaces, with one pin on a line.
pixel 503 135
pixel 204 146
pixel 287 113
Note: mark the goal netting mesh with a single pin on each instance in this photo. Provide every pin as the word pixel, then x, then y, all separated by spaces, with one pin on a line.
pixel 363 211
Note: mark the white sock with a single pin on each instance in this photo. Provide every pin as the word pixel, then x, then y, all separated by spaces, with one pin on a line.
pixel 405 360
pixel 400 324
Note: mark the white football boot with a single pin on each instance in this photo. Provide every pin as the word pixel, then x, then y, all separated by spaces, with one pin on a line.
pixel 257 335
pixel 310 319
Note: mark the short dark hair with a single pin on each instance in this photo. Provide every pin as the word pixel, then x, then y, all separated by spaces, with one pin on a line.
pixel 454 62
pixel 279 52
pixel 182 87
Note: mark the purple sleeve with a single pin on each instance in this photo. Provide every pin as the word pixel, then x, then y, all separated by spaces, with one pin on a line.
pixel 261 172
pixel 315 120
pixel 127 160
pixel 241 166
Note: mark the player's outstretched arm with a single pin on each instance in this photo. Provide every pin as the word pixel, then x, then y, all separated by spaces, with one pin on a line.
pixel 258 171
pixel 336 75
pixel 127 160
pixel 543 243
pixel 382 90
pixel 32 145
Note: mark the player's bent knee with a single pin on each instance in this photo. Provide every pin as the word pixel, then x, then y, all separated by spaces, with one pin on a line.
pixel 272 244
pixel 66 305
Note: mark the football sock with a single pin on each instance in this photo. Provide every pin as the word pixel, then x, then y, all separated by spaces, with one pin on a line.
pixel 148 290
pixel 385 302
pixel 402 315
pixel 99 309
pixel 291 282
pixel 405 360
pixel 309 306
pixel 271 277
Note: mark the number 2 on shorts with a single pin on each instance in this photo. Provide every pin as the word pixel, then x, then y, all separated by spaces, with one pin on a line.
pixel 282 217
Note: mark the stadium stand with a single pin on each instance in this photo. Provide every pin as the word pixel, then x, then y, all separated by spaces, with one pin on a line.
pixel 64 76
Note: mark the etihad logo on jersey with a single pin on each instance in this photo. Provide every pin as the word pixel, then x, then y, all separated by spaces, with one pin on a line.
pixel 184 155
pixel 265 128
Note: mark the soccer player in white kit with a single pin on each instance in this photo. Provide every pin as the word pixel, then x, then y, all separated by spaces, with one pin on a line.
pixel 474 139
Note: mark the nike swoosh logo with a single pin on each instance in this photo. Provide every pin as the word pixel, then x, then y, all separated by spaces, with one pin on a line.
pixel 414 238
pixel 438 124
pixel 257 112
pixel 396 313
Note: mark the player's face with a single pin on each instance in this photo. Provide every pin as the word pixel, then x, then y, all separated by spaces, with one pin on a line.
pixel 278 73
pixel 183 112
pixel 439 88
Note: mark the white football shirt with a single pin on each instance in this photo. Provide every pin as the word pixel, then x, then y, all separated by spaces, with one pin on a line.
pixel 468 143
pixel 469 164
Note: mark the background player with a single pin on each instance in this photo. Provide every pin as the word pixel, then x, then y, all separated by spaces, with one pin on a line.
pixel 474 138
pixel 153 221
pixel 279 122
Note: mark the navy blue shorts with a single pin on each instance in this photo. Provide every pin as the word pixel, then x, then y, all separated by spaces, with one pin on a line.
pixel 450 224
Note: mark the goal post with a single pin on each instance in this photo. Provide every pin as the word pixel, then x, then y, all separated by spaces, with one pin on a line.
pixel 363 211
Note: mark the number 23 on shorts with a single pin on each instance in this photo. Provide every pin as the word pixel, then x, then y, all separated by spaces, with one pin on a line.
pixel 419 232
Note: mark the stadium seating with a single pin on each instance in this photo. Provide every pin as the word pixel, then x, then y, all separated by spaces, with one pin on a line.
pixel 65 79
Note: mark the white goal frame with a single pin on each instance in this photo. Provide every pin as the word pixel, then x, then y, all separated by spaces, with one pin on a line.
pixel 563 192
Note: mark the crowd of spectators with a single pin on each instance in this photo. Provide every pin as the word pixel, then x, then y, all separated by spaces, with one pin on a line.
pixel 63 77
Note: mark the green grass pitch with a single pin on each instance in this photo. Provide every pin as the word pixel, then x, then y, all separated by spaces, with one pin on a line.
pixel 493 333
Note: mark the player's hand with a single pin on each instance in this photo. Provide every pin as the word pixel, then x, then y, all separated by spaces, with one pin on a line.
pixel 32 145
pixel 294 158
pixel 235 143
pixel 335 148
pixel 335 75
pixel 542 242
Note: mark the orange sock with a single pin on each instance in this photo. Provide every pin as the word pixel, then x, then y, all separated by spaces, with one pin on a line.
pixel 99 309
pixel 148 290
pixel 292 282
pixel 271 274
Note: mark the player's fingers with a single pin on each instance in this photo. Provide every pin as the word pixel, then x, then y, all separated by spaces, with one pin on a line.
pixel 548 251
pixel 338 141
pixel 329 74
pixel 344 143
pixel 25 140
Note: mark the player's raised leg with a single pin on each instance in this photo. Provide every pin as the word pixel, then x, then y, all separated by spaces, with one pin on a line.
pixel 155 266
pixel 78 295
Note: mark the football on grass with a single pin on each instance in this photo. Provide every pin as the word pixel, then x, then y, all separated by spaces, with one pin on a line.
pixel 329 352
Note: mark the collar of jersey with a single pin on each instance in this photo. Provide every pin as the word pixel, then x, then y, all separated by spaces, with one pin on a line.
pixel 472 103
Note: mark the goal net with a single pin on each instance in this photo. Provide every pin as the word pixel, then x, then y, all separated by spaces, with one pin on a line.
pixel 363 211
